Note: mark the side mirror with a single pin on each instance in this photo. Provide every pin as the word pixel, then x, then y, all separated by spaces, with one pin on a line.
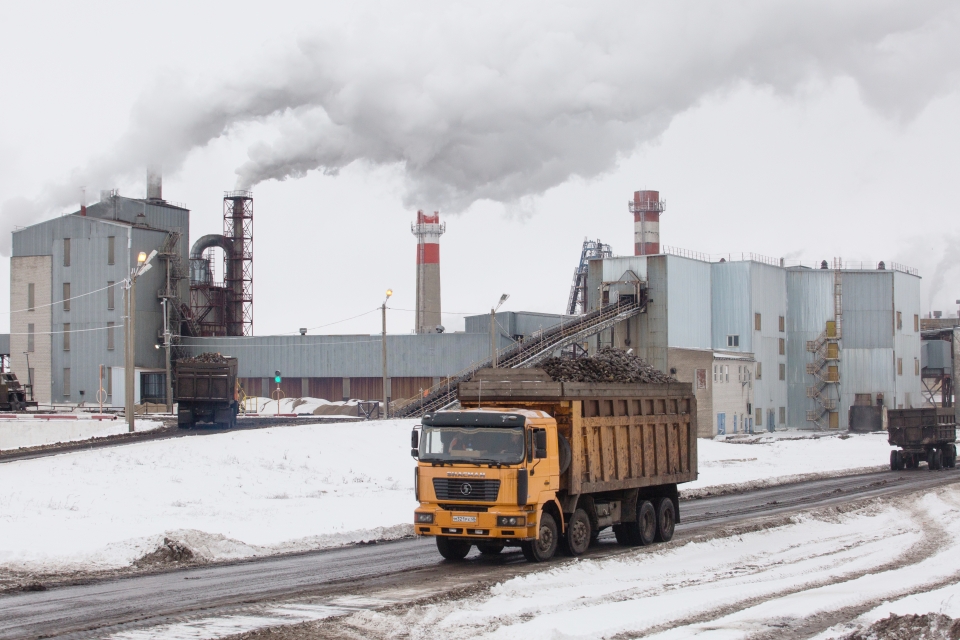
pixel 415 453
pixel 415 439
pixel 540 443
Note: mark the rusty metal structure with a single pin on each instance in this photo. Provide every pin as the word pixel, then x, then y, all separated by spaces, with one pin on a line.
pixel 225 308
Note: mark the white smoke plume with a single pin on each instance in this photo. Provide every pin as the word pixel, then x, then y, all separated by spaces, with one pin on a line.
pixel 477 101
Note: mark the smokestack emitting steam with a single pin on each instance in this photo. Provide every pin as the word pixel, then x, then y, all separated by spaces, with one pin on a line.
pixel 646 209
pixel 154 183
pixel 428 230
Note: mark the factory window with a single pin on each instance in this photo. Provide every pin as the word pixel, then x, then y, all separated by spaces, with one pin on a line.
pixel 783 371
pixel 899 366
pixel 783 347
pixel 66 382
pixel 783 415
pixel 916 322
pixel 66 336
pixel 66 252
pixel 701 378
pixel 782 323
pixel 111 330
pixel 756 321
pixel 66 296
pixel 726 372
pixel 111 295
pixel 759 417
pixel 733 341
pixel 759 370
pixel 899 320
pixel 30 338
pixel 31 296
pixel 916 366
pixel 715 373
pixel 111 244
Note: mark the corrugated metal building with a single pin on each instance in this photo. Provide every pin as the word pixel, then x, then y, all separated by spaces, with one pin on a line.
pixel 770 313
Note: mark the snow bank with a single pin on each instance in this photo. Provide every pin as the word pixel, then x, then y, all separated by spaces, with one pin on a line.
pixel 226 496
pixel 274 490
pixel 29 431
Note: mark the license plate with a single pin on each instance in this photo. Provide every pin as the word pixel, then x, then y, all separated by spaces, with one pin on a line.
pixel 464 518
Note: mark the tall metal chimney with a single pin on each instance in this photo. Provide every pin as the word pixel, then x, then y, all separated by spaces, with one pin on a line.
pixel 154 183
pixel 646 208
pixel 428 230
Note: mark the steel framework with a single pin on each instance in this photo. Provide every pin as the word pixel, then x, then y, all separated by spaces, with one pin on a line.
pixel 238 277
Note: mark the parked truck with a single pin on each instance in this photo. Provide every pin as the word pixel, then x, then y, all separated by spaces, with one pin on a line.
pixel 928 434
pixel 547 465
pixel 206 390
pixel 13 395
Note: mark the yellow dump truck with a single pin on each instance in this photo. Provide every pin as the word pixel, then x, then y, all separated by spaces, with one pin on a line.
pixel 547 465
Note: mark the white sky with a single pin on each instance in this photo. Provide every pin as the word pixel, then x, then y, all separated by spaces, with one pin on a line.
pixel 804 130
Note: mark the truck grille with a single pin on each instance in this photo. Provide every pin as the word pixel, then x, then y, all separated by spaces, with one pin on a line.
pixel 472 508
pixel 466 489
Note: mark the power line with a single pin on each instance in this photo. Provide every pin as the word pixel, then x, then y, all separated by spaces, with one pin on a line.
pixel 82 295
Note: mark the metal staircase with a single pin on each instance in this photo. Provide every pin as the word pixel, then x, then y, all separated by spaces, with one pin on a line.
pixel 179 318
pixel 592 250
pixel 528 353
pixel 825 368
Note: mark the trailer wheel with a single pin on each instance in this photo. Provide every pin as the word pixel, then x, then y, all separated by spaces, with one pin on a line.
pixel 666 520
pixel 932 460
pixel 490 548
pixel 643 531
pixel 950 451
pixel 577 538
pixel 543 548
pixel 894 460
pixel 453 549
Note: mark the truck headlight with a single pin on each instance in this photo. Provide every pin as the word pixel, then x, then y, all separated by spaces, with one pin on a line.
pixel 511 521
pixel 424 518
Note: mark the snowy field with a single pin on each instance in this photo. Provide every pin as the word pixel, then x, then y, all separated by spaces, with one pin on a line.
pixel 268 491
pixel 29 431
pixel 811 569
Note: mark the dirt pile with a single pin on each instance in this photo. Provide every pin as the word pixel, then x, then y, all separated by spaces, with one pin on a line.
pixel 929 626
pixel 609 365
pixel 205 358
pixel 170 552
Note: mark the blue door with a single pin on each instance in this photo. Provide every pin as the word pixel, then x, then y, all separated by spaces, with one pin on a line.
pixel 734 423
pixel 721 424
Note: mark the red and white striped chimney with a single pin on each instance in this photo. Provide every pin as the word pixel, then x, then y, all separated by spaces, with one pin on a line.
pixel 428 230
pixel 646 208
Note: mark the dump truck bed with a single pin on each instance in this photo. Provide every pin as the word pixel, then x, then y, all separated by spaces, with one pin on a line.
pixel 206 381
pixel 913 429
pixel 622 436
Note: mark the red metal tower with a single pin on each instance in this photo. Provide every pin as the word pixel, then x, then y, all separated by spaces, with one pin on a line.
pixel 646 208
pixel 238 272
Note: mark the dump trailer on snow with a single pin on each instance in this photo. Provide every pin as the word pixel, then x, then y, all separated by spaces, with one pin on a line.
pixel 13 395
pixel 206 390
pixel 928 434
pixel 543 465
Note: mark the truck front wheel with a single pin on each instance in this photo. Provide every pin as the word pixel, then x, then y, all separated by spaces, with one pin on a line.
pixel 543 548
pixel 453 549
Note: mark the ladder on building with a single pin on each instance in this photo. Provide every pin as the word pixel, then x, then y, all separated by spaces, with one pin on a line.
pixel 178 313
pixel 528 353
pixel 825 367
pixel 592 250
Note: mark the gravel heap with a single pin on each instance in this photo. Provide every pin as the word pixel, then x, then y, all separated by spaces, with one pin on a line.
pixel 609 365
pixel 207 358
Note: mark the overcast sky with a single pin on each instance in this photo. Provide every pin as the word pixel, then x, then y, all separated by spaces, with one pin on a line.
pixel 805 130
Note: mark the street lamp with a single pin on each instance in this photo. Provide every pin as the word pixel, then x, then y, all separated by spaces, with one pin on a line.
pixel 383 346
pixel 493 330
pixel 130 304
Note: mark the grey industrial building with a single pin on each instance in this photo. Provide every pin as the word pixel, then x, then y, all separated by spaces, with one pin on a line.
pixel 765 345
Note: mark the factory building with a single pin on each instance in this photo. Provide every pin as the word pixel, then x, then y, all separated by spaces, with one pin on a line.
pixel 806 343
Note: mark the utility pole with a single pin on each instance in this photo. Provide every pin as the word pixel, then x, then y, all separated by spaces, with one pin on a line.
pixel 130 306
pixel 383 347
pixel 493 330
pixel 166 345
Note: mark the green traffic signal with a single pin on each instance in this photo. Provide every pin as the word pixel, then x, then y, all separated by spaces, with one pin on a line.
pixel 277 379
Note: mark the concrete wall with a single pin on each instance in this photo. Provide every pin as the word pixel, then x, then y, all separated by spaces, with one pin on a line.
pixel 684 364
pixel 37 270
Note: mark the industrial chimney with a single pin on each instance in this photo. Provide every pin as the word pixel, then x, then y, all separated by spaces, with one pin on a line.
pixel 428 230
pixel 154 183
pixel 646 208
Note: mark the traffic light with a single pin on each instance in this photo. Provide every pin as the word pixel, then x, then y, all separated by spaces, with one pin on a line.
pixel 276 377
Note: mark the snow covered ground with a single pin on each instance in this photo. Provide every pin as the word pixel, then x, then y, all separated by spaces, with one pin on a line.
pixel 29 431
pixel 270 491
pixel 805 575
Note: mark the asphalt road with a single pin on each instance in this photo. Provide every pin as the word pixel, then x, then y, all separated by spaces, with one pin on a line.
pixel 99 608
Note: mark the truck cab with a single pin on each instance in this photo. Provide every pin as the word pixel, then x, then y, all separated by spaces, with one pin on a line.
pixel 489 477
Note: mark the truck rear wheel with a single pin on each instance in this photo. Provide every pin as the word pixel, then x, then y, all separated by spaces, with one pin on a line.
pixel 579 533
pixel 453 549
pixel 666 520
pixel 950 456
pixel 543 548
pixel 895 460
pixel 639 533
pixel 932 458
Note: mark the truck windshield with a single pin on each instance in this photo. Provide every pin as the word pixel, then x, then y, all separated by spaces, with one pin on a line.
pixel 496 445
